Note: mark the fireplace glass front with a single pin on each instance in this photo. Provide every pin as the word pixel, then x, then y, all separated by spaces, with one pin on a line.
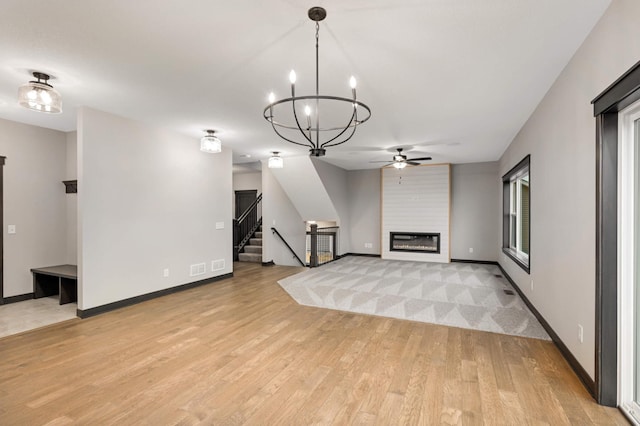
pixel 420 242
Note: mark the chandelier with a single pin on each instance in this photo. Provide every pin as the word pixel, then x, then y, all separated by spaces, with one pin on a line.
pixel 298 117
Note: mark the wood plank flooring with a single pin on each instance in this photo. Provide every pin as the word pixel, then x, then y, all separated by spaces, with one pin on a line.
pixel 241 351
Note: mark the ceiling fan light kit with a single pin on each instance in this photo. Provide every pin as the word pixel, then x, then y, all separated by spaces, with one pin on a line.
pixel 400 161
pixel 301 122
pixel 39 95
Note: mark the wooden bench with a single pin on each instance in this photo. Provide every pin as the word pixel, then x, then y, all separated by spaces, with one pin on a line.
pixel 59 279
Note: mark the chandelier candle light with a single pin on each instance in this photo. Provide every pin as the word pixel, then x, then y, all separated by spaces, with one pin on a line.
pixel 310 133
pixel 40 95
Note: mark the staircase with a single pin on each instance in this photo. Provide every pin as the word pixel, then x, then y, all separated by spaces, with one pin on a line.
pixel 253 250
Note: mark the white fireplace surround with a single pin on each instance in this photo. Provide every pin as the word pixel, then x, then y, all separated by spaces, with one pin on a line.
pixel 416 200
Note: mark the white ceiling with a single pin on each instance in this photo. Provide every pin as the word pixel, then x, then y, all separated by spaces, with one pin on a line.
pixel 453 79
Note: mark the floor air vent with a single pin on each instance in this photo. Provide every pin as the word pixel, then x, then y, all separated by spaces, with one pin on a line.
pixel 509 292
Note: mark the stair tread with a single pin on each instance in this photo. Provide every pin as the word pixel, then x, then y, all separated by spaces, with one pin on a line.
pixel 249 257
pixel 258 234
pixel 253 249
pixel 255 241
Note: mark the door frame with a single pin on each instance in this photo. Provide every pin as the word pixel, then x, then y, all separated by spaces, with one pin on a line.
pixel 2 159
pixel 627 234
pixel 606 106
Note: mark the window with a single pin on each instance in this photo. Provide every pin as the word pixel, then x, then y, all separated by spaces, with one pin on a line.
pixel 516 214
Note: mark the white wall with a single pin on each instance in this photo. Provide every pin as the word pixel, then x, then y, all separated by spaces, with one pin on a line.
pixel 72 199
pixel 475 204
pixel 279 212
pixel 304 188
pixel 364 210
pixel 246 181
pixel 34 201
pixel 148 200
pixel 416 199
pixel 560 136
pixel 335 182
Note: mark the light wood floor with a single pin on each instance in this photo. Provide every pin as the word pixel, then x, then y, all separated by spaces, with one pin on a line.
pixel 241 351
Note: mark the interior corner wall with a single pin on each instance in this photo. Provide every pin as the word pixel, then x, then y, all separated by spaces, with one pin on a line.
pixel 279 212
pixel 71 200
pixel 364 210
pixel 560 137
pixel 34 201
pixel 149 200
pixel 335 182
pixel 475 204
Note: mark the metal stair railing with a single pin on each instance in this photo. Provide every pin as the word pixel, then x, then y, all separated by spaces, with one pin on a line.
pixel 246 225
pixel 275 231
pixel 322 244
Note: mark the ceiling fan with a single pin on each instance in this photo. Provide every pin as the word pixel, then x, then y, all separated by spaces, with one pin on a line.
pixel 400 160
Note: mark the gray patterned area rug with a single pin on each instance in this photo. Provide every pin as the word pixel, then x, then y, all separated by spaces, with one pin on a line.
pixel 455 294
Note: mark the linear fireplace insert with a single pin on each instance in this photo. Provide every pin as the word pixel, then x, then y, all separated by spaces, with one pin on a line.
pixel 420 242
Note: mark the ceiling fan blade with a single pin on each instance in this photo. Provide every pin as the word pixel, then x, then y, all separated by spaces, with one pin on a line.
pixel 419 159
pixel 412 163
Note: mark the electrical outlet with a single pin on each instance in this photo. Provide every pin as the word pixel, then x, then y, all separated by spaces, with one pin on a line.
pixel 11 229
pixel 470 249
pixel 531 285
pixel 219 225
pixel 580 333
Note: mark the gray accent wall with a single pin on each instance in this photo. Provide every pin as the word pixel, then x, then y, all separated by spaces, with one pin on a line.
pixel 34 201
pixel 364 210
pixel 560 136
pixel 148 199
pixel 475 202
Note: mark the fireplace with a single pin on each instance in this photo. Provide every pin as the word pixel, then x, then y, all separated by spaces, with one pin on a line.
pixel 419 242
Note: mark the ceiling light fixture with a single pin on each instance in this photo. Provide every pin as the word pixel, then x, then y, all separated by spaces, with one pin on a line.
pixel 310 133
pixel 275 161
pixel 40 95
pixel 210 143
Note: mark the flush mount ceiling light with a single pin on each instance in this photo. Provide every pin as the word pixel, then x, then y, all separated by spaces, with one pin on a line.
pixel 210 143
pixel 275 161
pixel 40 95
pixel 310 133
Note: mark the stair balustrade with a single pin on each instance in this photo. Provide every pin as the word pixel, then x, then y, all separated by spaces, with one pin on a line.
pixel 246 226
